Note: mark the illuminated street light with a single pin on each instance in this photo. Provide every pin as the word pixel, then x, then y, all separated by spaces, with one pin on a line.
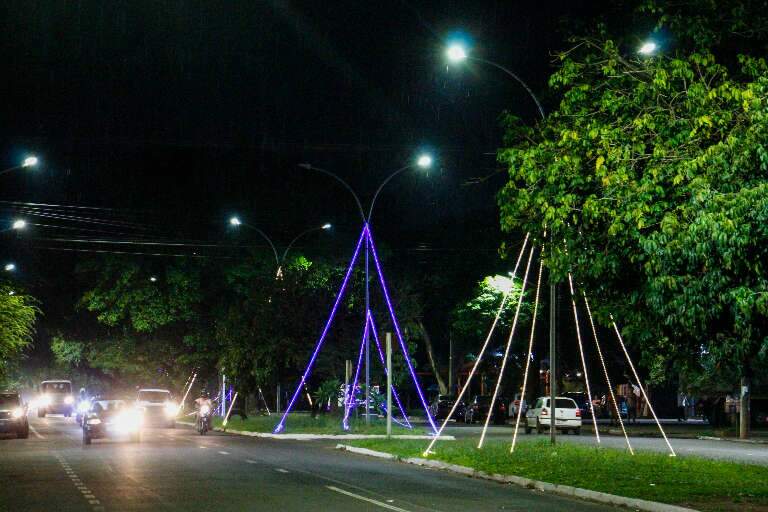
pixel 326 226
pixel 424 161
pixel 648 48
pixel 153 279
pixel 10 267
pixel 19 224
pixel 30 161
pixel 234 221
pixel 456 53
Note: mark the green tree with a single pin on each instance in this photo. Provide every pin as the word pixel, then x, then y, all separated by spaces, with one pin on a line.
pixel 654 173
pixel 18 312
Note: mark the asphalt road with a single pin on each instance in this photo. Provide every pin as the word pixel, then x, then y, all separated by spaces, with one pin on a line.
pixel 722 450
pixel 180 470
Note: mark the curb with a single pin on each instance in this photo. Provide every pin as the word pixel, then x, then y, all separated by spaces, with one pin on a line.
pixel 561 490
pixel 728 439
pixel 319 437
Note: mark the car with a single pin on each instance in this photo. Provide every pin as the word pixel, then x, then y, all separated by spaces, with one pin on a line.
pixel 111 417
pixel 55 398
pixel 567 415
pixel 441 406
pixel 159 407
pixel 13 415
pixel 582 400
pixel 480 405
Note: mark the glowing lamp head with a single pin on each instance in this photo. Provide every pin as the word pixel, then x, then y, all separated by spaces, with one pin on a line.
pixel 19 224
pixel 153 279
pixel 326 226
pixel 456 53
pixel 30 161
pixel 424 161
pixel 10 267
pixel 234 221
pixel 648 48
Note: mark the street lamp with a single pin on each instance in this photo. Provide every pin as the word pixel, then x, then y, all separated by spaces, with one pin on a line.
pixel 422 161
pixel 234 221
pixel 648 48
pixel 29 161
pixel 19 224
pixel 152 279
pixel 9 267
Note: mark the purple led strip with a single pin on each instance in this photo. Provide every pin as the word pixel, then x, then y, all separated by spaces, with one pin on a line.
pixel 397 328
pixel 384 364
pixel 281 425
pixel 350 394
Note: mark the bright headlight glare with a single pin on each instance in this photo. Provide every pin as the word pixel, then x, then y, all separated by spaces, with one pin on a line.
pixel 69 400
pixel 83 407
pixel 171 409
pixel 17 412
pixel 205 409
pixel 128 421
pixel 45 400
pixel 94 421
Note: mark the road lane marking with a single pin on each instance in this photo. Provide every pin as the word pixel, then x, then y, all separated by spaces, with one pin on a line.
pixel 37 434
pixel 203 447
pixel 281 470
pixel 86 492
pixel 368 500
pixel 224 453
pixel 249 461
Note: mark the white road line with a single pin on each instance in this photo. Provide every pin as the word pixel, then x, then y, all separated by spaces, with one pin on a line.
pixel 37 434
pixel 363 498
pixel 249 461
pixel 224 453
pixel 281 470
pixel 203 447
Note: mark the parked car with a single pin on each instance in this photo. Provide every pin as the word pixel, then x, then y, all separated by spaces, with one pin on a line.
pixel 55 398
pixel 13 415
pixel 567 415
pixel 110 417
pixel 158 406
pixel 441 406
pixel 582 400
pixel 479 407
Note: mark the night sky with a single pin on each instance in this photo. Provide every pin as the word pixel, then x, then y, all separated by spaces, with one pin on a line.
pixel 170 116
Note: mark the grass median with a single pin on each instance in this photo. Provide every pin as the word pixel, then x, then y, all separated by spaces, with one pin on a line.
pixel 306 424
pixel 695 482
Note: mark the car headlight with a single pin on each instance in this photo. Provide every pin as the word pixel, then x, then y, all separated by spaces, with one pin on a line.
pixel 69 399
pixel 17 413
pixel 128 421
pixel 204 409
pixel 94 421
pixel 171 409
pixel 45 400
pixel 83 407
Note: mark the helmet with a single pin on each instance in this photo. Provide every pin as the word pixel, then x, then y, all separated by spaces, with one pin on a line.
pixel 204 393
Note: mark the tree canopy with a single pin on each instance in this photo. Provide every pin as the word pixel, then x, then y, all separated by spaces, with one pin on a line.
pixel 18 312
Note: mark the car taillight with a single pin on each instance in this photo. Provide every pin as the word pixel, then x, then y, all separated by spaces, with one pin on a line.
pixel 544 412
pixel 578 413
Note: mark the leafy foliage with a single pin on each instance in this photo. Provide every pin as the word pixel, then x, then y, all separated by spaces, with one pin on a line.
pixel 17 322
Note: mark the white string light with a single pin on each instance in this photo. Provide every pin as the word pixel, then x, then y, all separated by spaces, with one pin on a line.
pixel 529 356
pixel 480 355
pixel 605 372
pixel 583 362
pixel 642 389
pixel 506 350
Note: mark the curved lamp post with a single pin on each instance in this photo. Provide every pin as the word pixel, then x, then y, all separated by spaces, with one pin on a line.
pixel 423 161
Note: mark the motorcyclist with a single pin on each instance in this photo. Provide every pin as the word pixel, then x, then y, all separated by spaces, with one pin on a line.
pixel 203 400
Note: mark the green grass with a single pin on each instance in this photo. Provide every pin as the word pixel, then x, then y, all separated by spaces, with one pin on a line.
pixel 695 482
pixel 305 424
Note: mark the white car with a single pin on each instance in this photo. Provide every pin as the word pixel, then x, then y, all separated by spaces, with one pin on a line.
pixel 158 406
pixel 567 415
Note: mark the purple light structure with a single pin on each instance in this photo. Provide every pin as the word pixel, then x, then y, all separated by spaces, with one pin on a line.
pixel 384 364
pixel 281 425
pixel 395 323
pixel 350 393
pixel 366 236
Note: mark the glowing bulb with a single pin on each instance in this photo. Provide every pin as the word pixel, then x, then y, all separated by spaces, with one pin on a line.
pixel 19 224
pixel 235 221
pixel 30 161
pixel 153 279
pixel 648 48
pixel 424 161
pixel 10 267
pixel 456 53
pixel 326 226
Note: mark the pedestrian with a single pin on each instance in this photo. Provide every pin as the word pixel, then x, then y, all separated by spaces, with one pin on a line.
pixel 631 408
pixel 682 404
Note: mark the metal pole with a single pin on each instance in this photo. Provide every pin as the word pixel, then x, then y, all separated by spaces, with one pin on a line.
pixel 552 361
pixel 223 393
pixel 367 343
pixel 277 399
pixel 389 384
pixel 450 363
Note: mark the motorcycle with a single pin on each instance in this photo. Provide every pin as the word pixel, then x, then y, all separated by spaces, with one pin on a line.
pixel 204 419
